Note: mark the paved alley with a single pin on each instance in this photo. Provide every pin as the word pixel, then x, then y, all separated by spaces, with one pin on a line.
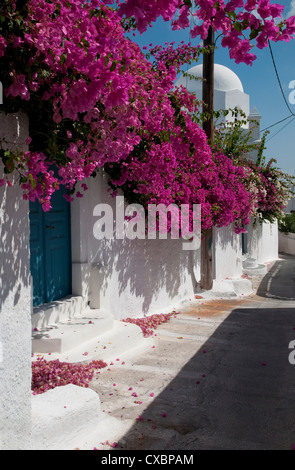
pixel 217 376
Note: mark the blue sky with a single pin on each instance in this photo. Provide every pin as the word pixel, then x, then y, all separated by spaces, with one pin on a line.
pixel 259 81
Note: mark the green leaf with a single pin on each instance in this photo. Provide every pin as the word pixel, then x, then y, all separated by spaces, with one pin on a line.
pixel 113 66
pixel 63 58
pixel 85 42
pixel 253 34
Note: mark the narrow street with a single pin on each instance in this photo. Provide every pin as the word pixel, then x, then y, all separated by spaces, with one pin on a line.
pixel 217 377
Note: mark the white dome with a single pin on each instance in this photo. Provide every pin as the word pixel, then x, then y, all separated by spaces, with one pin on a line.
pixel 224 79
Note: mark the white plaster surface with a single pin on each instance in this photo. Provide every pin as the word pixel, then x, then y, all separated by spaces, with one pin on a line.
pixel 224 79
pixel 262 241
pixel 287 243
pixel 228 253
pixel 70 417
pixel 15 301
pixel 131 277
pixel 228 89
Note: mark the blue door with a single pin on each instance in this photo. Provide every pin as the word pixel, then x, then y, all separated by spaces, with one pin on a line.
pixel 50 245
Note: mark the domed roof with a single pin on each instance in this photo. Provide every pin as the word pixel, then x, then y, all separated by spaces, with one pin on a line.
pixel 224 79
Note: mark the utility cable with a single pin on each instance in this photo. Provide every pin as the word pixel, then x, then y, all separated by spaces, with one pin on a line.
pixel 283 94
pixel 278 78
pixel 280 129
pixel 278 122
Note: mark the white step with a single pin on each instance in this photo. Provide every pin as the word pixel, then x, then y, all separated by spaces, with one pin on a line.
pixel 70 417
pixel 259 270
pixel 250 263
pixel 67 334
pixel 59 310
pixel 121 341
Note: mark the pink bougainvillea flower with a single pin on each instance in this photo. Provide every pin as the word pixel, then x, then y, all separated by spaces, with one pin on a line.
pixel 50 374
pixel 88 75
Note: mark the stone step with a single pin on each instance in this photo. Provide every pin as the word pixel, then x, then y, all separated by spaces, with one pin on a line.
pixel 119 342
pixel 70 417
pixel 65 335
pixel 250 263
pixel 57 311
pixel 258 270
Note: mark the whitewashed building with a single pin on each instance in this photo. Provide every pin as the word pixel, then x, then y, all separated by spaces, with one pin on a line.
pixel 53 268
pixel 246 253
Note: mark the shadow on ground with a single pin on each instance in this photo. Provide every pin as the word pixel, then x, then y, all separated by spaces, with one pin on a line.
pixel 238 389
pixel 239 394
pixel 279 282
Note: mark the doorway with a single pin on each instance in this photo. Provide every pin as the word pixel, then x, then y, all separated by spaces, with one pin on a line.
pixel 50 246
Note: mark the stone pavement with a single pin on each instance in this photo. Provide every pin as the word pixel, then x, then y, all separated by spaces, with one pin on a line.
pixel 217 376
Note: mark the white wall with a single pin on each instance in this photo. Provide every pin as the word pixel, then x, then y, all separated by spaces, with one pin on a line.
pixel 228 253
pixel 15 302
pixel 129 277
pixel 262 241
pixel 142 276
pixel 287 243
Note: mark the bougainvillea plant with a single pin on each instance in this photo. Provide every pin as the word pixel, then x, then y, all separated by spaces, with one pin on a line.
pixel 95 101
pixel 271 188
pixel 241 23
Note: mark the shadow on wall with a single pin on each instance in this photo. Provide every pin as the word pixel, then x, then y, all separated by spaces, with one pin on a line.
pixel 140 275
pixel 14 218
pixel 140 272
pixel 227 253
pixel 14 245
pixel 239 395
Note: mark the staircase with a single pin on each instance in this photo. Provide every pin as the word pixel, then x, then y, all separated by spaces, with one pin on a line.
pixel 60 326
pixel 252 268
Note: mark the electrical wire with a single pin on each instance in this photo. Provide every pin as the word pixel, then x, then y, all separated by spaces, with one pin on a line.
pixel 271 137
pixel 285 100
pixel 278 122
pixel 278 78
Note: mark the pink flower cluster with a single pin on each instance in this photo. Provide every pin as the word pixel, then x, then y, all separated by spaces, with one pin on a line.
pixel 233 19
pixel 176 56
pixel 150 323
pixel 183 171
pixel 108 106
pixel 50 374
pixel 2 45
